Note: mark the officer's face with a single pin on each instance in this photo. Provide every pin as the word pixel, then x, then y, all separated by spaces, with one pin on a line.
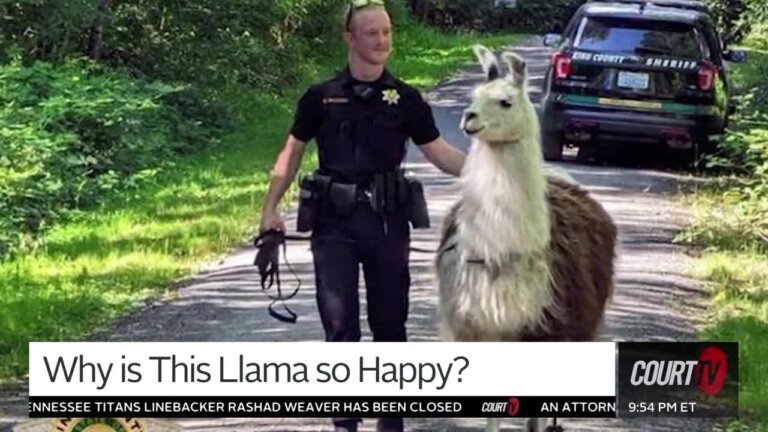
pixel 369 35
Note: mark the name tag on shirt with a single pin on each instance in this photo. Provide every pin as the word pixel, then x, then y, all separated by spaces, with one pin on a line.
pixel 335 100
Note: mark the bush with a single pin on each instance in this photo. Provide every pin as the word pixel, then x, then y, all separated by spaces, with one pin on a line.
pixel 208 42
pixel 540 17
pixel 73 132
pixel 729 16
pixel 744 153
pixel 50 30
pixel 527 15
pixel 745 148
pixel 739 19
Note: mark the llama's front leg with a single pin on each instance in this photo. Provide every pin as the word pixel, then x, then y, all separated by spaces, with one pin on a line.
pixel 493 424
pixel 446 333
pixel 535 425
pixel 540 425
pixel 554 427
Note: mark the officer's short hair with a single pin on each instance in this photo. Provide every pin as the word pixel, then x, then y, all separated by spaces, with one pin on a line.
pixel 356 5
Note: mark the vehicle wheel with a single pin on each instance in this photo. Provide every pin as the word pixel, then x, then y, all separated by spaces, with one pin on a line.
pixel 687 159
pixel 552 146
pixel 702 149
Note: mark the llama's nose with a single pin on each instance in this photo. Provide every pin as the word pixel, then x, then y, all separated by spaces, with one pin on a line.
pixel 469 115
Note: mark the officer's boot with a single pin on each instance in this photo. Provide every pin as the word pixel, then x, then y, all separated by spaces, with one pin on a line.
pixel 389 425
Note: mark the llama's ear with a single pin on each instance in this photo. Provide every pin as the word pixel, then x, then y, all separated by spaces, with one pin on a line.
pixel 488 61
pixel 517 67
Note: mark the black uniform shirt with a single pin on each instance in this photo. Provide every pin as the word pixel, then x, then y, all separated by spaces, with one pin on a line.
pixel 363 127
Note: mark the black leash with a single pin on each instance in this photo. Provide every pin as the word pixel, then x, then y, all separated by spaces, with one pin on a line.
pixel 268 262
pixel 267 259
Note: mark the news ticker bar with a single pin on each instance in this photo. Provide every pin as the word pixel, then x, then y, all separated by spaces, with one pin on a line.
pixel 270 407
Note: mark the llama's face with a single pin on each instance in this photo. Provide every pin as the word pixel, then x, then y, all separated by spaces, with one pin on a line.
pixel 498 109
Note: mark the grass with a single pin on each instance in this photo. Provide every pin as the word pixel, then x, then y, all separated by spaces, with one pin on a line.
pixel 111 260
pixel 735 266
pixel 730 222
pixel 738 282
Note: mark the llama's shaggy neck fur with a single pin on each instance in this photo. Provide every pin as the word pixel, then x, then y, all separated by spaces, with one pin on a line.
pixel 504 206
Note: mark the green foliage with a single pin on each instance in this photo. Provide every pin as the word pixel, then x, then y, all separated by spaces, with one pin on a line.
pixel 729 16
pixel 528 15
pixel 739 312
pixel 424 55
pixel 49 30
pixel 738 19
pixel 738 219
pixel 732 222
pixel 758 17
pixel 74 132
pixel 208 42
pixel 541 16
pixel 106 263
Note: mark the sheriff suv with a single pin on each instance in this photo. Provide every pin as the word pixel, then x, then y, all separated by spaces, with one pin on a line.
pixel 637 73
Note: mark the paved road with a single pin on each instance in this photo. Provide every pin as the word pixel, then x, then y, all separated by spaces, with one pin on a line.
pixel 655 301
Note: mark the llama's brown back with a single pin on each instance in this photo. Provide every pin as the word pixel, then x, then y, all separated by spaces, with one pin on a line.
pixel 583 253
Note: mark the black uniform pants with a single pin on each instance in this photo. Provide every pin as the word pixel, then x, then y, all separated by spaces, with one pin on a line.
pixel 340 244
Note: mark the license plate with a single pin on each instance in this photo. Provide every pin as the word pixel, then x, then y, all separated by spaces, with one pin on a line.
pixel 633 80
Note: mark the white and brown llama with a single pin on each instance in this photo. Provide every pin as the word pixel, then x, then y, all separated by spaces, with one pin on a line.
pixel 524 256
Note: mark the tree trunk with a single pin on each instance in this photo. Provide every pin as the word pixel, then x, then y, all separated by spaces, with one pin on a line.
pixel 96 34
pixel 414 6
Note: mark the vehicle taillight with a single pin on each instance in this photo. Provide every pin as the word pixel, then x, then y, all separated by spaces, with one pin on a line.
pixel 707 76
pixel 562 65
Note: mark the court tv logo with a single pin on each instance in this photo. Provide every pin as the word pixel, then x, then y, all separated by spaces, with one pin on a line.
pixel 511 407
pixel 707 373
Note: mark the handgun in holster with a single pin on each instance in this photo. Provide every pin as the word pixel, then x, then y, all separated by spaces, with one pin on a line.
pixel 393 190
pixel 384 192
pixel 312 190
pixel 418 213
pixel 378 193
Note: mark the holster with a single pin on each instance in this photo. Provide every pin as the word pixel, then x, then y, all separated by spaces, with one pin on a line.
pixel 312 189
pixel 343 198
pixel 393 191
pixel 418 213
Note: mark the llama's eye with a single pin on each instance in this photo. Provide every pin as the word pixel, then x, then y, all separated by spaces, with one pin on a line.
pixel 505 104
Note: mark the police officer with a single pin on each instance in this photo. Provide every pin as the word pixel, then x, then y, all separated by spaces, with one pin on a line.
pixel 361 120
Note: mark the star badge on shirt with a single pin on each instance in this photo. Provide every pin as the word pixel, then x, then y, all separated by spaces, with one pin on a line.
pixel 390 96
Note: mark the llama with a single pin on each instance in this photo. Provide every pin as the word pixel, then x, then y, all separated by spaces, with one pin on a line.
pixel 524 255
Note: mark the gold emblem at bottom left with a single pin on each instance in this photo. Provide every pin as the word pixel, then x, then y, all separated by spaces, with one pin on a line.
pixel 97 424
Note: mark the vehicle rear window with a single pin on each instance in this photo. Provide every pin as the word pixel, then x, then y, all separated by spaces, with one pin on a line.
pixel 638 37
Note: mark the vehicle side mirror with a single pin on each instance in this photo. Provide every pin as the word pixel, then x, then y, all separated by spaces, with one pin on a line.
pixel 735 56
pixel 552 40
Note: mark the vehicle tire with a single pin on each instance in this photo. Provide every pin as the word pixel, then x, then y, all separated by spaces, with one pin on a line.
pixel 588 153
pixel 552 146
pixel 702 149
